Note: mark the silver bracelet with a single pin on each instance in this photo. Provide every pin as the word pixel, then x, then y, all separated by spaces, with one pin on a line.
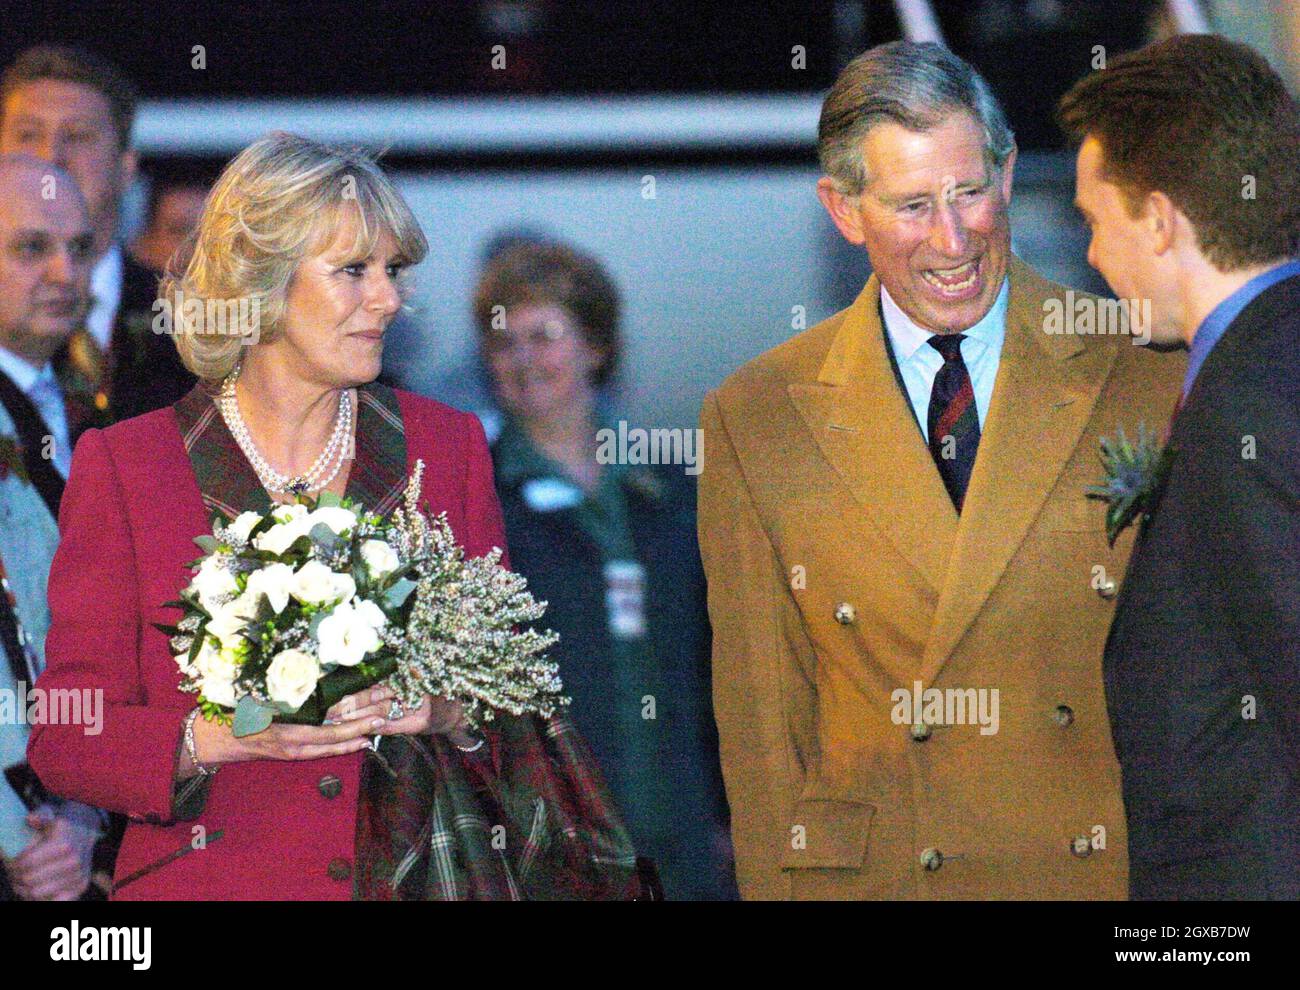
pixel 191 749
pixel 469 749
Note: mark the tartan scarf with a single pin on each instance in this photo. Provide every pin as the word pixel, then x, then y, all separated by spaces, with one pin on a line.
pixel 526 817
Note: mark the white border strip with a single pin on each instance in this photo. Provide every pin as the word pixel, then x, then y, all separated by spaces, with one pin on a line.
pixel 493 125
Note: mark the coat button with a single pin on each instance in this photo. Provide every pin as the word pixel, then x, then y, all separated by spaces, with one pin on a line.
pixel 931 859
pixel 330 786
pixel 920 731
pixel 845 613
pixel 1108 589
pixel 1063 715
pixel 1081 846
pixel 339 869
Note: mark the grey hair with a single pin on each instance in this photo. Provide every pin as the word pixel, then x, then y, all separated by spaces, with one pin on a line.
pixel 912 84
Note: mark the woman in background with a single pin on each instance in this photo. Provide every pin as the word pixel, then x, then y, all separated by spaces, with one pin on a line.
pixel 612 549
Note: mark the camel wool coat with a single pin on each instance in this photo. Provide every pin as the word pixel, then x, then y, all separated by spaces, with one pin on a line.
pixel 839 574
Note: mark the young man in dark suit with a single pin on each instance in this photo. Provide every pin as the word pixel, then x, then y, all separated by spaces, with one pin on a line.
pixel 1189 177
pixel 74 109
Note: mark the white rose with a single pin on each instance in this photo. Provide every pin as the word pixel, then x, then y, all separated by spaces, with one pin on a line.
pixel 316 584
pixel 243 524
pixel 273 581
pixel 289 512
pixel 229 620
pixel 345 636
pixel 213 581
pixel 338 519
pixel 218 669
pixel 280 537
pixel 369 612
pixel 292 677
pixel 380 559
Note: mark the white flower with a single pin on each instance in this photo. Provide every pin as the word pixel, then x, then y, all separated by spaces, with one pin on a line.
pixel 380 559
pixel 338 519
pixel 292 521
pixel 243 524
pixel 347 634
pixel 273 581
pixel 229 620
pixel 368 611
pixel 292 677
pixel 214 580
pixel 217 669
pixel 316 584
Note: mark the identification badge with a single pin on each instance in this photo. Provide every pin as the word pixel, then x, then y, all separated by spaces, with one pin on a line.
pixel 625 598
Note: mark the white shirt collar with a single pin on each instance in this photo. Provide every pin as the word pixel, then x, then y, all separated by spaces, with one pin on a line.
pixel 22 372
pixel 106 295
pixel 907 338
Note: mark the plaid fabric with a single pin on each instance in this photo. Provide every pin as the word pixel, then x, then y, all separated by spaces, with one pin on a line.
pixel 526 817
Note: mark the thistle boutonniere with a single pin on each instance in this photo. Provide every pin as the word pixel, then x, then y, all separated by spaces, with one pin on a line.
pixel 1135 478
pixel 11 459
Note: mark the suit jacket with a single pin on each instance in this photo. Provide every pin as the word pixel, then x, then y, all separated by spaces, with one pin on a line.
pixel 1203 663
pixel 839 572
pixel 147 372
pixel 130 512
pixel 144 369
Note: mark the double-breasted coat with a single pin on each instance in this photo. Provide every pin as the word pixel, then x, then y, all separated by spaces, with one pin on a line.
pixel 840 574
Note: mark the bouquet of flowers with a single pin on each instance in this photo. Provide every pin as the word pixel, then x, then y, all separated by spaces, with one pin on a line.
pixel 291 610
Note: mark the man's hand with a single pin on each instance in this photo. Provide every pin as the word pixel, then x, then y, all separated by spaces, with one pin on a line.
pixel 56 865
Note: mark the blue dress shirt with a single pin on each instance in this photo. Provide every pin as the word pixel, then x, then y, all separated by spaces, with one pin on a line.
pixel 918 363
pixel 1221 317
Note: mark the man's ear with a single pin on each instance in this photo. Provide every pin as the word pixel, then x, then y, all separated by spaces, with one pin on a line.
pixel 1008 170
pixel 1160 217
pixel 843 210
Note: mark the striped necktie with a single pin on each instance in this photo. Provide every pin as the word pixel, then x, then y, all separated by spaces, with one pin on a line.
pixel 952 421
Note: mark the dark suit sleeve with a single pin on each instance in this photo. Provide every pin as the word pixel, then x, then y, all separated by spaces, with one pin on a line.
pixel 126 762
pixel 1254 506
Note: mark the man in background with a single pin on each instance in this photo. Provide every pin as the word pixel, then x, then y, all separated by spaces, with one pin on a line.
pixel 175 206
pixel 1189 177
pixel 74 109
pixel 46 248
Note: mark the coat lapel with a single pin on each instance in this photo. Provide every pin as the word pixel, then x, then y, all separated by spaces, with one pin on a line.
pixel 863 426
pixel 1046 389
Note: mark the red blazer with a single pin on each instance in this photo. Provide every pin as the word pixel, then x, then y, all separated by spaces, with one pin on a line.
pixel 129 515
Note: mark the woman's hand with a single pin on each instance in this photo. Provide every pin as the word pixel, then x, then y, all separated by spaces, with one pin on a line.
pixel 217 744
pixel 435 715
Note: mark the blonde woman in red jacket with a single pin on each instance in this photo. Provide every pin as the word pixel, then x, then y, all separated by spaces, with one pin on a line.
pixel 310 242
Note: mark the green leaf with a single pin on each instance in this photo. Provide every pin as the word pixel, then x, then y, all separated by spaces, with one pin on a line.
pixel 252 717
pixel 208 544
pixel 395 597
pixel 329 500
pixel 199 635
pixel 325 537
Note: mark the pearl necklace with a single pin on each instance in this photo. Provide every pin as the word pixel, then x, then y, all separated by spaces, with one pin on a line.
pixel 272 480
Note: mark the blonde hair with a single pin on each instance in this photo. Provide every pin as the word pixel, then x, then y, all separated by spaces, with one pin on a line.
pixel 279 200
